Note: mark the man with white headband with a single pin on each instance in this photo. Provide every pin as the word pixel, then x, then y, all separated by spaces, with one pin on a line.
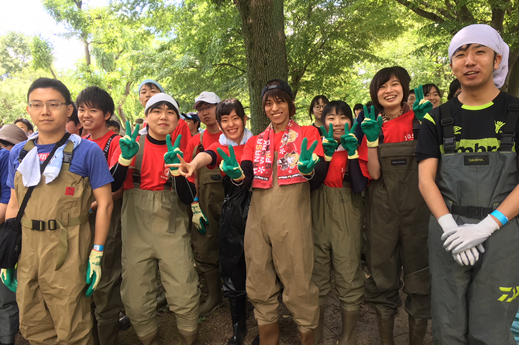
pixel 468 173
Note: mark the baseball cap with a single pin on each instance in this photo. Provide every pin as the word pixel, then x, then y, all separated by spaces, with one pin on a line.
pixel 12 134
pixel 282 85
pixel 192 116
pixel 161 97
pixel 207 97
pixel 150 81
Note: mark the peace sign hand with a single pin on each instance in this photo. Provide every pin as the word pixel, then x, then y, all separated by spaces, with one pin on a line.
pixel 229 165
pixel 349 141
pixel 173 155
pixel 421 106
pixel 329 143
pixel 129 145
pixel 308 159
pixel 371 126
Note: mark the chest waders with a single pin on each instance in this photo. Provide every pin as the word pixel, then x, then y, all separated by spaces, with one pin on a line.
pixel 396 234
pixel 211 195
pixel 154 234
pixel 476 304
pixel 52 267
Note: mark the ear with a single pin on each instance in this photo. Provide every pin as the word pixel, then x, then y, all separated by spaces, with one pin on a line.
pixel 497 61
pixel 70 110
pixel 108 115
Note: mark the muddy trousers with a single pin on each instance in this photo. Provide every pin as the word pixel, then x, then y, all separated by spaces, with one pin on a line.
pixel 337 217
pixel 8 315
pixel 477 304
pixel 278 244
pixel 154 232
pixel 107 296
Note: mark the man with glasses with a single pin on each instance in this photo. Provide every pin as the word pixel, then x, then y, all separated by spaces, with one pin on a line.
pixel 208 203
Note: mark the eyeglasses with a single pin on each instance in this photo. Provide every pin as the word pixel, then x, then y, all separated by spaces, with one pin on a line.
pixel 52 105
pixel 200 110
pixel 319 107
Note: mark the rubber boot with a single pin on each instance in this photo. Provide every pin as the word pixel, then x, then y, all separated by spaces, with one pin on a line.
pixel 124 322
pixel 108 332
pixel 417 329
pixel 162 301
pixel 188 338
pixel 349 327
pixel 151 339
pixel 308 338
pixel 214 298
pixel 269 334
pixel 385 329
pixel 319 331
pixel 239 319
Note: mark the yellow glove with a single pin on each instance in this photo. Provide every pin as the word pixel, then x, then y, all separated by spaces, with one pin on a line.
pixel 199 219
pixel 93 275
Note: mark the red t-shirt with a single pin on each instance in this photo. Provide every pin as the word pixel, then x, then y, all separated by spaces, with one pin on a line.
pixel 208 139
pixel 102 141
pixel 338 168
pixel 395 131
pixel 238 152
pixel 182 128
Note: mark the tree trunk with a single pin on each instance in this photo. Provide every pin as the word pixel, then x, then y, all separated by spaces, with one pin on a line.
pixel 52 71
pixel 263 25
pixel 513 74
pixel 120 111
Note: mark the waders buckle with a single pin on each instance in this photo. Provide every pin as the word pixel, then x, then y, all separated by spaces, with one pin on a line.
pixel 40 225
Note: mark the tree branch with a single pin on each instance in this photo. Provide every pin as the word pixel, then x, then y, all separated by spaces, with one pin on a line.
pixel 229 65
pixel 420 12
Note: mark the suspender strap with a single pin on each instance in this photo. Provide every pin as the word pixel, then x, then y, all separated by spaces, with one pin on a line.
pixel 67 156
pixel 508 138
pixel 447 122
pixel 107 146
pixel 200 147
pixel 471 211
pixel 416 128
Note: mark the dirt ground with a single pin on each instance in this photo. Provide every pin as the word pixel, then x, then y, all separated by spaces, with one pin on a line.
pixel 216 329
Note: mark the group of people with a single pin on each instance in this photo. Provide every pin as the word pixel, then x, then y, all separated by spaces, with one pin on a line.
pixel 272 215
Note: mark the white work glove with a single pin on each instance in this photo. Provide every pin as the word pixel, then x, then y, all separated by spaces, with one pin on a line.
pixel 93 275
pixel 466 257
pixel 469 235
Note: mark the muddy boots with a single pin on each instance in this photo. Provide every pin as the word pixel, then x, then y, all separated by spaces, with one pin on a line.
pixel 319 331
pixel 417 329
pixel 188 338
pixel 151 339
pixel 239 319
pixel 349 327
pixel 385 329
pixel 214 298
pixel 308 338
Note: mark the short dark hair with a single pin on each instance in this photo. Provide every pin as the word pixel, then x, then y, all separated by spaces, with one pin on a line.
pixel 151 86
pixel 428 87
pixel 411 91
pixel 114 123
pixel 337 106
pixel 73 116
pixel 6 143
pixel 316 100
pixel 453 87
pixel 95 97
pixel 26 122
pixel 160 104
pixel 226 106
pixel 278 93
pixel 383 77
pixel 358 106
pixel 46 83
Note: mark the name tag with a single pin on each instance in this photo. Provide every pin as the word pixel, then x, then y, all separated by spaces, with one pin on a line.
pixel 399 161
pixel 476 160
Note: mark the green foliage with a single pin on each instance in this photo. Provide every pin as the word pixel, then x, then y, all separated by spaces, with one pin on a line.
pixel 41 53
pixel 15 53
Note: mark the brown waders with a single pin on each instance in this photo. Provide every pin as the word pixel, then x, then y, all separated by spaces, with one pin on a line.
pixel 337 217
pixel 278 244
pixel 52 267
pixel 396 233
pixel 211 195
pixel 107 296
pixel 476 304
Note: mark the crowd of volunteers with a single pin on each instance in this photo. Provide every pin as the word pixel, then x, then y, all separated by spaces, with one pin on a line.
pixel 426 191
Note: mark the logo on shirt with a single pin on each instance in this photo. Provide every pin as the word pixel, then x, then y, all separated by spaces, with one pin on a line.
pixel 498 125
pixel 69 191
pixel 457 130
pixel 43 156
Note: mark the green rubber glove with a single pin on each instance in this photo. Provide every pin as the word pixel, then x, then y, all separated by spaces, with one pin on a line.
pixel 421 106
pixel 371 126
pixel 171 157
pixel 129 145
pixel 229 165
pixel 199 219
pixel 93 275
pixel 349 142
pixel 7 275
pixel 308 159
pixel 329 143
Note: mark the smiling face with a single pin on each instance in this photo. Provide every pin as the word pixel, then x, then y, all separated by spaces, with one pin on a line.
pixel 433 96
pixel 411 99
pixel 337 118
pixel 474 65
pixel 390 94
pixel 232 126
pixel 278 112
pixel 92 118
pixel 161 121
pixel 146 92
pixel 49 121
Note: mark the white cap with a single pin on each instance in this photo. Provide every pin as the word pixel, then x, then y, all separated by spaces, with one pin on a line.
pixel 207 97
pixel 161 97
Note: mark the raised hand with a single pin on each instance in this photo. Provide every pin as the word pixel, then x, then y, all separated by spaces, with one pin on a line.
pixel 129 145
pixel 349 141
pixel 307 159
pixel 371 126
pixel 421 106
pixel 329 143
pixel 171 158
pixel 229 165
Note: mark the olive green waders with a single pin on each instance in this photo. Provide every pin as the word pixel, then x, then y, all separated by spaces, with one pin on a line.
pixel 52 266
pixel 396 233
pixel 278 244
pixel 337 217
pixel 476 304
pixel 107 296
